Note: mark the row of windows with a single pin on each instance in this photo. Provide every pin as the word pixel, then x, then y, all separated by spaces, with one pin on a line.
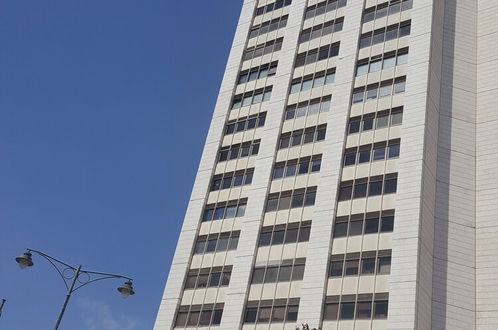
pixel 373 186
pixel 354 264
pixel 311 81
pixel 323 7
pixel 268 26
pixel 262 71
pixel 263 49
pixel 295 167
pixel 384 34
pixel 302 136
pixel 199 315
pixel 239 150
pixel 372 152
pixel 360 307
pixel 274 311
pixel 291 199
pixel 288 270
pixel 245 124
pixel 310 107
pixel 227 241
pixel 320 30
pixel 382 10
pixel 374 91
pixel 385 118
pixel 225 210
pixel 272 6
pixel 252 97
pixel 232 179
pixel 317 54
pixel 364 224
pixel 386 61
pixel 208 277
pixel 283 234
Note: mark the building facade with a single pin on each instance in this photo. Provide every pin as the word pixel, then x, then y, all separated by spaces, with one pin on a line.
pixel 348 177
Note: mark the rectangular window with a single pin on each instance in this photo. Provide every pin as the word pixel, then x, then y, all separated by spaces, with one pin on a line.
pixel 347 311
pixel 364 310
pixel 380 309
pixel 331 312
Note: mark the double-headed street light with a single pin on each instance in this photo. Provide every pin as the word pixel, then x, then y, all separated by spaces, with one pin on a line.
pixel 72 277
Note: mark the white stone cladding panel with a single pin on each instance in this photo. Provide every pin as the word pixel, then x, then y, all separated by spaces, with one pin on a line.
pixel 410 290
pixel 486 174
pixel 454 244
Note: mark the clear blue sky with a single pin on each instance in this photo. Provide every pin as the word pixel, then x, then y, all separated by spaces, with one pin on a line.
pixel 94 99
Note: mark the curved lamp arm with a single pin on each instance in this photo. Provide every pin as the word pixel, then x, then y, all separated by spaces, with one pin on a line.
pixel 75 272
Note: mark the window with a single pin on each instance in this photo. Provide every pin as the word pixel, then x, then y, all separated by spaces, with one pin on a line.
pixel 381 10
pixel 245 124
pixel 390 185
pixel 262 49
pixel 385 34
pixel 384 118
pixel 354 264
pixel 291 233
pixel 384 265
pixel 323 7
pixel 375 187
pixel 331 311
pixel 222 211
pixel 268 26
pixel 265 70
pixel 371 223
pixel 347 311
pixel 317 54
pixel 283 199
pixel 387 224
pixel 276 311
pixel 272 6
pixel 250 316
pixel 295 138
pixel 385 61
pixel 205 245
pixel 199 315
pixel 307 82
pixel 321 30
pixel 238 151
pixel 358 96
pixel 258 275
pixel 341 229
pixel 351 267
pixel 344 307
pixel 387 88
pixel 336 268
pixel 380 309
pixel 232 179
pixel 368 266
pixel 364 310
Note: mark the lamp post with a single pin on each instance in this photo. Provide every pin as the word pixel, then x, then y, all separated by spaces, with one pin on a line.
pixel 72 277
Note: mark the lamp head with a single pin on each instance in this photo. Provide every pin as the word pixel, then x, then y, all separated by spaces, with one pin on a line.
pixel 25 260
pixel 126 289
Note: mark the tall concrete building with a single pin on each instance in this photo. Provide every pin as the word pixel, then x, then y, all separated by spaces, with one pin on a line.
pixel 348 180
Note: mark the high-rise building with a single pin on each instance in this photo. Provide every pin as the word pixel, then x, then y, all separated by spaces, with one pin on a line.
pixel 348 180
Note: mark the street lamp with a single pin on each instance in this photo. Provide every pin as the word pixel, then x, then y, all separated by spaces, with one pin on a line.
pixel 71 277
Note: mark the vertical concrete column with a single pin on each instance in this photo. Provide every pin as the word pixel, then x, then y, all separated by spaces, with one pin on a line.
pixel 236 294
pixel 410 282
pixel 181 260
pixel 453 291
pixel 314 284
